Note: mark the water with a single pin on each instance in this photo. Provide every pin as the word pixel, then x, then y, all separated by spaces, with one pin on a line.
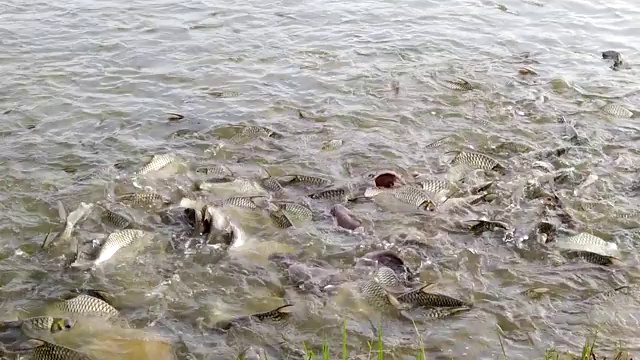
pixel 88 84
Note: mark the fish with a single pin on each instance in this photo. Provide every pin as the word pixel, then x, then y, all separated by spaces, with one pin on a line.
pixel 588 242
pixel 280 219
pixel 391 260
pixel 304 180
pixel 70 221
pixel 247 202
pixel 345 218
pixel 390 281
pixel 376 296
pixel 144 198
pixel 157 162
pixel 337 194
pixel 195 212
pixel 222 229
pixel 114 242
pixel 477 161
pixel 85 304
pixel 220 171
pixel 439 313
pixel 256 131
pixel 408 194
pixel 174 116
pixel 278 314
pixel 439 142
pixel 611 55
pixel 332 145
pixel 387 179
pixel 526 71
pixel 271 184
pixel 223 94
pixel 616 110
pixel 488 225
pixel 590 257
pixel 40 327
pixel 296 211
pixel 243 185
pixel 421 298
pixel 57 352
pixel 115 219
pixel 457 84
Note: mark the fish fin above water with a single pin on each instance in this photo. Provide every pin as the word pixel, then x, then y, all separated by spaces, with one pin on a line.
pixel 62 212
pixel 372 192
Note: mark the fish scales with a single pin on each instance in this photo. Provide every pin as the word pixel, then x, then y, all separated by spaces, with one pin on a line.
pixel 158 162
pixel 617 110
pixel 272 184
pixel 419 297
pixel 307 180
pixel 115 219
pixel 375 295
pixel 296 211
pixel 274 315
pixel 435 186
pixel 477 161
pixel 241 202
pixel 413 196
pixel 332 194
pixel 56 352
pixel 279 219
pixel 217 170
pixel 117 241
pixel 439 313
pixel 143 198
pixel 388 279
pixel 87 305
pixel 590 257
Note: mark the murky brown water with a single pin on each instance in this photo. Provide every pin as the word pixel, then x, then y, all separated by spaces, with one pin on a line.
pixel 87 84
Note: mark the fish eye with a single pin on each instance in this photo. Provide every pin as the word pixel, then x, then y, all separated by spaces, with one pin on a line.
pixel 68 324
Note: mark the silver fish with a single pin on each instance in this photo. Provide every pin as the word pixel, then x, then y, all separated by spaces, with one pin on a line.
pixel 296 211
pixel 340 194
pixel 86 305
pixel 255 131
pixel 305 180
pixel 115 218
pixel 272 184
pixel 457 84
pixel 247 202
pixel 41 327
pixel 332 145
pixel 590 243
pixel 477 161
pixel 390 281
pixel 56 352
pixel 114 242
pixel 512 146
pixel 488 225
pixel 439 142
pixel 70 221
pixel 376 296
pixel 220 171
pixel 158 162
pixel 591 257
pixel 280 219
pixel 616 110
pixel 144 198
pixel 408 194
pixel 345 218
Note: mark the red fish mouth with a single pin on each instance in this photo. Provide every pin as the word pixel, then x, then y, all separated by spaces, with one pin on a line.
pixel 388 179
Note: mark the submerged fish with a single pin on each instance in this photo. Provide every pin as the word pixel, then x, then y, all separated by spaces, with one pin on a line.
pixel 617 110
pixel 144 198
pixel 477 161
pixel 56 352
pixel 332 145
pixel 157 162
pixel 420 297
pixel 488 225
pixel 439 313
pixel 439 142
pixel 115 219
pixel 278 314
pixel 70 221
pixel 408 194
pixel 256 131
pixel 457 84
pixel 114 242
pixel 220 171
pixel 345 218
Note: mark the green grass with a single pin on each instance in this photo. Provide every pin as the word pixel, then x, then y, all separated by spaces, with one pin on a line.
pixel 376 351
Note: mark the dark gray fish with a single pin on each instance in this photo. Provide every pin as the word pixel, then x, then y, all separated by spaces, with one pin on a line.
pixel 304 180
pixel 70 221
pixel 419 297
pixel 488 225
pixel 390 281
pixel 477 161
pixel 376 296
pixel 195 213
pixel 278 314
pixel 408 194
pixel 115 219
pixel 223 94
pixel 56 352
pixel 174 116
pixel 611 55
pixel 388 258
pixel 157 162
pixel 345 218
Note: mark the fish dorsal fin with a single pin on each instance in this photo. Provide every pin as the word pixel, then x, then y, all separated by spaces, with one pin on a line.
pixel 62 212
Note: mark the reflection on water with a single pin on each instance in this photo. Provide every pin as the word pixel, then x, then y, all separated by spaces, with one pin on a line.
pixel 89 85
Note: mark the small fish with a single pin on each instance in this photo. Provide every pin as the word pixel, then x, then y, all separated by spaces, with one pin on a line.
pixel 590 257
pixel 115 219
pixel 339 194
pixel 114 242
pixel 477 161
pixel 439 142
pixel 391 260
pixel 158 162
pixel 86 305
pixel 589 242
pixel 526 71
pixel 420 297
pixel 617 110
pixel 332 145
pixel 345 218
pixel 513 146
pixel 439 313
pixel 220 171
pixel 223 94
pixel 304 180
pixel 174 116
pixel 408 194
pixel 56 352
pixel 278 314
pixel 488 225
pixel 256 131
pixel 70 221
pixel 457 84
pixel 144 198
pixel 247 202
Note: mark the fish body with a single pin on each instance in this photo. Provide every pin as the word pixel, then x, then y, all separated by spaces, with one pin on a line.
pixel 56 352
pixel 439 313
pixel 116 241
pixel 477 161
pixel 219 171
pixel 256 131
pixel 345 218
pixel 340 194
pixel 419 297
pixel 408 194
pixel 332 144
pixel 512 146
pixel 457 84
pixel 246 202
pixel 158 162
pixel 41 327
pixel 389 259
pixel 305 180
pixel 115 219
pixel 278 314
pixel 376 296
pixel 272 184
pixel 70 221
pixel 590 243
pixel 439 142
pixel 86 305
pixel 280 219
pixel 389 280
pixel 144 198
pixel 591 257
pixel 488 225
pixel 617 110
pixel 297 211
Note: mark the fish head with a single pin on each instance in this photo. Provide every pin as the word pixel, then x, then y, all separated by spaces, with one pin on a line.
pixel 388 179
pixel 217 218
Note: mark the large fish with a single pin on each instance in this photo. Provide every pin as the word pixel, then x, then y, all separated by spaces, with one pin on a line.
pixel 114 243
pixel 57 352
pixel 477 161
pixel 408 194
pixel 278 314
pixel 304 180
pixel 421 298
pixel 157 162
pixel 590 248
pixel 83 304
pixel 70 221
pixel 31 333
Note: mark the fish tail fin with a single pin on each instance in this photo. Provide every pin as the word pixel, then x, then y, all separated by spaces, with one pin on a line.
pixel 46 240
pixel 62 212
